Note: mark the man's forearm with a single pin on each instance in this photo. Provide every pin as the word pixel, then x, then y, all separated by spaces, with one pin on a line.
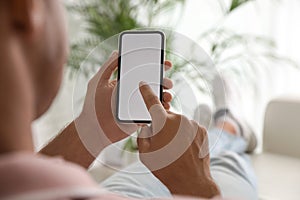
pixel 69 145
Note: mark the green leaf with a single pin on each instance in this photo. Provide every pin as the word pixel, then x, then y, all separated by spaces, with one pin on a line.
pixel 130 145
pixel 237 3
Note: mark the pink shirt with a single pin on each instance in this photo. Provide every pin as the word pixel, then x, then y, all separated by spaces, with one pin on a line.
pixel 25 176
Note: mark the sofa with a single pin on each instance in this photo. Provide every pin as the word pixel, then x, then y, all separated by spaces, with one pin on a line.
pixel 278 165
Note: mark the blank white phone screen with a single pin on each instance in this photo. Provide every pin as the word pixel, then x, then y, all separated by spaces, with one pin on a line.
pixel 141 60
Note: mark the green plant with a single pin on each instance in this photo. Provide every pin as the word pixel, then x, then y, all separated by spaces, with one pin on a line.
pixel 104 19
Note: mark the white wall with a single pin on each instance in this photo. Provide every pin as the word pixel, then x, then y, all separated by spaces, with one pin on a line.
pixel 278 20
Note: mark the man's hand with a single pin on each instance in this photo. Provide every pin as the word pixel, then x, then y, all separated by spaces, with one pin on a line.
pixel 100 100
pixel 95 128
pixel 175 149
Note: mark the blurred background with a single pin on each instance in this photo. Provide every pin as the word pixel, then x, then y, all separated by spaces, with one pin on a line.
pixel 253 42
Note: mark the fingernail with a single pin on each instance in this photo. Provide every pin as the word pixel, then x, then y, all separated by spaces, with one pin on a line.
pixel 114 53
pixel 142 83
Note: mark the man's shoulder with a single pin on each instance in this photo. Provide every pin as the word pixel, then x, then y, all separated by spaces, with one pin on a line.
pixel 26 172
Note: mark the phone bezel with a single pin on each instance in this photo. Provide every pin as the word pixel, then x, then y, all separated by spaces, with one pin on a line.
pixel 119 70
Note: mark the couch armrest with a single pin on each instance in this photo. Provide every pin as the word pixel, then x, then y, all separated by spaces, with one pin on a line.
pixel 282 127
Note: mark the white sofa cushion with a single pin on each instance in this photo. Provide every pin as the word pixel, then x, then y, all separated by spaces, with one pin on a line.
pixel 278 167
pixel 282 127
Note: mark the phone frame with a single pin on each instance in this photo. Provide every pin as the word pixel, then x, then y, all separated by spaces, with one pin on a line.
pixel 119 70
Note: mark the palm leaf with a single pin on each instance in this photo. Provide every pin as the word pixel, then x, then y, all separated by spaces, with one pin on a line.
pixel 236 3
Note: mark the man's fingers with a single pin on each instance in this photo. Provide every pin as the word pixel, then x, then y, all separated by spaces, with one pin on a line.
pixel 167 83
pixel 152 102
pixel 110 66
pixel 167 106
pixel 167 97
pixel 148 95
pixel 156 110
pixel 168 65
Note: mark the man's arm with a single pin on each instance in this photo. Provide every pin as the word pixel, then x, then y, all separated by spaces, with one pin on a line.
pixel 83 140
pixel 95 128
pixel 69 145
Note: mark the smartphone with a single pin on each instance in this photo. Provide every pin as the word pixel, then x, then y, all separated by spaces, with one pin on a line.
pixel 141 58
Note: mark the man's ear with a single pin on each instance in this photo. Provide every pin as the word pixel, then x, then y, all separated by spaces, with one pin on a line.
pixel 27 15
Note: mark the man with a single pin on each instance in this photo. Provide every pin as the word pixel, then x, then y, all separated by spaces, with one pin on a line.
pixel 33 50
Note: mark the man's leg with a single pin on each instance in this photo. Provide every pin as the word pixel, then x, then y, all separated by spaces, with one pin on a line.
pixel 136 181
pixel 234 175
pixel 229 140
pixel 230 167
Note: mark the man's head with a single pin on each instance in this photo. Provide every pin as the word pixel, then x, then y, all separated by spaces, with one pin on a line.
pixel 38 28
